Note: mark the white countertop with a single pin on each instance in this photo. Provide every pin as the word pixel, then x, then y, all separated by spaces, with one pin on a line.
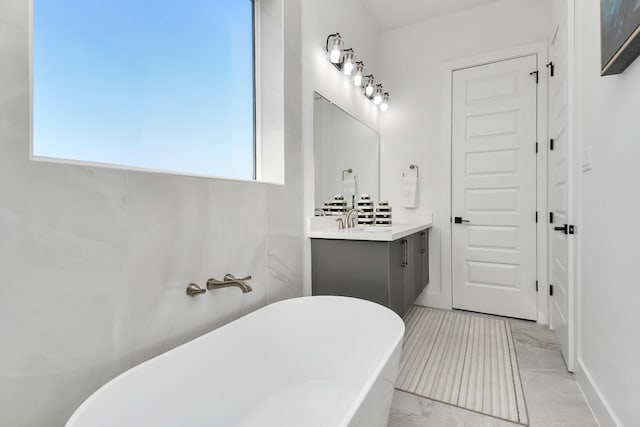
pixel 326 228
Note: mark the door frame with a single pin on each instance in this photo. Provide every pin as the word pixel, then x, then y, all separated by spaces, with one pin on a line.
pixel 574 141
pixel 445 298
pixel 574 197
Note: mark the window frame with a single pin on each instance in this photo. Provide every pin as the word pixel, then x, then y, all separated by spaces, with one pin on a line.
pixel 256 143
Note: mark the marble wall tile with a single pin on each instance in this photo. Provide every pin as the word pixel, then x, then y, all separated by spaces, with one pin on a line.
pixel 242 250
pixel 164 226
pixel 286 222
pixel 59 286
pixel 70 388
pixel 285 277
pixel 94 262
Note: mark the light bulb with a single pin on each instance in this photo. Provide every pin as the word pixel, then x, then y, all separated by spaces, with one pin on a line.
pixel 348 62
pixel 369 87
pixel 377 98
pixel 347 68
pixel 334 47
pixel 335 56
pixel 369 90
pixel 384 106
pixel 357 77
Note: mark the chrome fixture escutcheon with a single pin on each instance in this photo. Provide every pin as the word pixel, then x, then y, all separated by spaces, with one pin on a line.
pixel 194 290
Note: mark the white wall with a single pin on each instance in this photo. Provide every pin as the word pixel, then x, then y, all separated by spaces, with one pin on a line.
pixel 411 60
pixel 94 262
pixel 609 295
pixel 319 19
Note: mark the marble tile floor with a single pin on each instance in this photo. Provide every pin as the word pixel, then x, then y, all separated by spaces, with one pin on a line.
pixel 552 395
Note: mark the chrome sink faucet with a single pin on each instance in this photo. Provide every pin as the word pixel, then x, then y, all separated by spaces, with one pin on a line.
pixel 352 216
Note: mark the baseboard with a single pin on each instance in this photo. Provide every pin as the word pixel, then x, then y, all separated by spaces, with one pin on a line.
pixel 597 403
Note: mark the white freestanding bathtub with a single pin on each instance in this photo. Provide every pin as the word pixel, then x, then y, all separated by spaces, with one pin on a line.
pixel 305 362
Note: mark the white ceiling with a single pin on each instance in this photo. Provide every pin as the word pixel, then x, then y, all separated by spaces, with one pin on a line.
pixel 390 14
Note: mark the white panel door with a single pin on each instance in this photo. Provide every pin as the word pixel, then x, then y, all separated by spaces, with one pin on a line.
pixel 559 241
pixel 494 126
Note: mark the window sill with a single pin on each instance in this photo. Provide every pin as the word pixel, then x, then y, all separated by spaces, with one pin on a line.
pixel 124 168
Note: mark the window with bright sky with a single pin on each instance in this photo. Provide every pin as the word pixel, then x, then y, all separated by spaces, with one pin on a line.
pixel 164 84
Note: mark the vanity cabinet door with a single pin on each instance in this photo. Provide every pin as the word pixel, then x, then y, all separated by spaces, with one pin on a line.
pixel 351 268
pixel 410 272
pixel 413 270
pixel 418 256
pixel 397 252
pixel 424 252
pixel 416 270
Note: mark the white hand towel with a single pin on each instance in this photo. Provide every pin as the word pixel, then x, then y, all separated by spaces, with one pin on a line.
pixel 409 191
pixel 349 189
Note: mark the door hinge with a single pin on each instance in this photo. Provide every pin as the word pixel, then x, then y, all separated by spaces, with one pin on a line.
pixel 536 147
pixel 550 290
pixel 550 217
pixel 536 74
pixel 536 216
pixel 536 286
pixel 551 68
pixel 551 144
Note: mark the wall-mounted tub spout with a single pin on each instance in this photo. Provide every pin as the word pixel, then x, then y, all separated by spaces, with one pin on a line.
pixel 230 280
pixel 195 290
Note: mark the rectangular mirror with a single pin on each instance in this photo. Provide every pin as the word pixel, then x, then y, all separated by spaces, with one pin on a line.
pixel 346 155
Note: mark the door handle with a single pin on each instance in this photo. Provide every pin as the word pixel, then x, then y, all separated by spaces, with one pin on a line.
pixel 564 229
pixel 460 220
pixel 422 239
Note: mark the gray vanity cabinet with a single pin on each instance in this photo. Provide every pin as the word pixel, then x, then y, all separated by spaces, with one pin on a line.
pixel 416 272
pixel 389 273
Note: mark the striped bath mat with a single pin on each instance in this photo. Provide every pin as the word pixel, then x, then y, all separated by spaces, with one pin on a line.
pixel 463 360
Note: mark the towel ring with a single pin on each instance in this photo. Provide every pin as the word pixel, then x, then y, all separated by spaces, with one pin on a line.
pixel 416 167
pixel 347 171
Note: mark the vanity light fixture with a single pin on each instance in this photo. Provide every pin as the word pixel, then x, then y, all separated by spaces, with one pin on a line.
pixel 377 97
pixel 348 61
pixel 357 75
pixel 334 47
pixel 384 106
pixel 345 60
pixel 369 85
